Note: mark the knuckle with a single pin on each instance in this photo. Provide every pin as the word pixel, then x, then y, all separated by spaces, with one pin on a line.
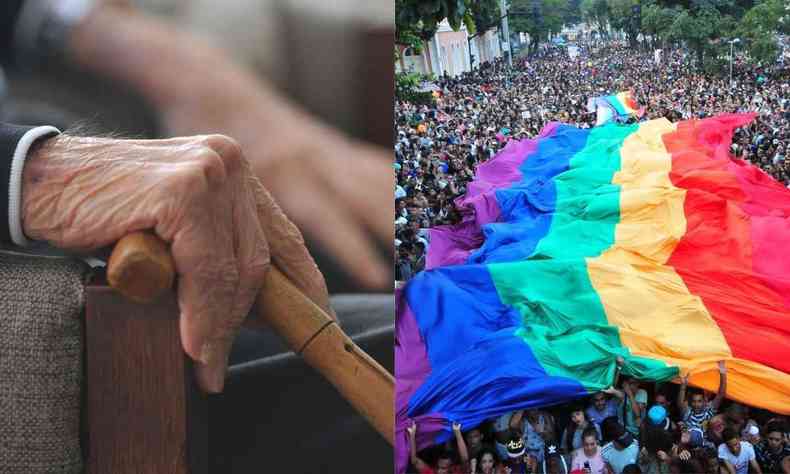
pixel 228 149
pixel 208 168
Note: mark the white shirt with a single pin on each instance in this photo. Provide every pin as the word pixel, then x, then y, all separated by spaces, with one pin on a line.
pixel 741 462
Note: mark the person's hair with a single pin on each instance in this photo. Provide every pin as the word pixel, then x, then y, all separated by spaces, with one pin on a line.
pixel 656 439
pixel 572 426
pixel 483 452
pixel 695 392
pixel 589 431
pixel 444 454
pixel 610 429
pixel 709 453
pixel 775 426
pixel 632 469
pixel 728 434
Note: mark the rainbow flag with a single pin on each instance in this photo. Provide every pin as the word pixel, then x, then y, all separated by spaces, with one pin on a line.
pixel 646 241
pixel 619 106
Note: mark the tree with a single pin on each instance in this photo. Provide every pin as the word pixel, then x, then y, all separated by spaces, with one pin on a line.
pixel 486 14
pixel 596 12
pixel 538 18
pixel 573 12
pixel 759 26
pixel 657 20
pixel 703 30
pixel 622 16
pixel 420 18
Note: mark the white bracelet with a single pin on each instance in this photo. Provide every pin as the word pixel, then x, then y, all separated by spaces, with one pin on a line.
pixel 15 184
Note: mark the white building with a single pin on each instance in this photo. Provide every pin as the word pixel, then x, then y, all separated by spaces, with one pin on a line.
pixel 448 52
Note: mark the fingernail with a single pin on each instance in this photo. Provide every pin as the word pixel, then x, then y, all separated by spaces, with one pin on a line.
pixel 215 379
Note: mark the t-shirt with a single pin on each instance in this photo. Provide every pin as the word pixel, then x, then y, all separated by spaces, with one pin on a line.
pixel 698 420
pixel 619 459
pixel 596 462
pixel 455 469
pixel 577 438
pixel 597 417
pixel 630 420
pixel 768 460
pixel 740 462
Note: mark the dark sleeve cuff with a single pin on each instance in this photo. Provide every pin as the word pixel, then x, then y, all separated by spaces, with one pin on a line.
pixel 15 141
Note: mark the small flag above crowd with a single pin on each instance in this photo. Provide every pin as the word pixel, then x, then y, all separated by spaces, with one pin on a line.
pixel 618 107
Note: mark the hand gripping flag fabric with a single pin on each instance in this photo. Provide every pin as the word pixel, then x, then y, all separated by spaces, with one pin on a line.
pixel 646 241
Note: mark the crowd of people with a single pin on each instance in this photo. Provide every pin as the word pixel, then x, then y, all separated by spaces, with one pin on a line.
pixel 636 428
pixel 438 146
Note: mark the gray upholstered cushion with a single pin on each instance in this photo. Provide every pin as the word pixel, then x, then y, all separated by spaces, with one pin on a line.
pixel 41 305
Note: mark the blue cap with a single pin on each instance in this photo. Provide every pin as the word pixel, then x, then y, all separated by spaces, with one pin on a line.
pixel 657 414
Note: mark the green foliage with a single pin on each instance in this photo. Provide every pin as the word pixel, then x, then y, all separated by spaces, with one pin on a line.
pixel 486 14
pixel 759 26
pixel 407 86
pixel 767 16
pixel 573 12
pixel 552 14
pixel 423 16
pixel 621 17
pixel 704 30
pixel 595 12
pixel 657 20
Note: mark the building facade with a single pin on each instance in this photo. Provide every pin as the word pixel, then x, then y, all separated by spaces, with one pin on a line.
pixel 448 52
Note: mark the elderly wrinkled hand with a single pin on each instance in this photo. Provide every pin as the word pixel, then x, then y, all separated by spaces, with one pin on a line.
pixel 334 188
pixel 196 193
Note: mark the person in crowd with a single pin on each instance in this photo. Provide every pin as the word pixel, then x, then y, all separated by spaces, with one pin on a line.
pixel 711 462
pixel 535 426
pixel 715 431
pixel 664 401
pixel 518 460
pixel 656 452
pixel 554 461
pixel 477 113
pixel 572 435
pixel 631 409
pixel 736 417
pixel 657 416
pixel 601 408
pixel 486 462
pixel 632 469
pixel 697 413
pixel 738 456
pixel 588 457
pixel 773 452
pixel 475 441
pixel 621 452
pixel 445 463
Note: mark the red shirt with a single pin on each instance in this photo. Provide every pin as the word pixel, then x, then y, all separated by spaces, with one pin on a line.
pixel 455 469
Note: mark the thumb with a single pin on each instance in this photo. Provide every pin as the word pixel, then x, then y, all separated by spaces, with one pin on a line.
pixel 211 373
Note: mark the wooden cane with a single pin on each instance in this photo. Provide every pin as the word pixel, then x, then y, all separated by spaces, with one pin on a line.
pixel 141 268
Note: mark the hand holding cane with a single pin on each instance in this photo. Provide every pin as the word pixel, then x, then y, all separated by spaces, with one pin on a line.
pixel 141 268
